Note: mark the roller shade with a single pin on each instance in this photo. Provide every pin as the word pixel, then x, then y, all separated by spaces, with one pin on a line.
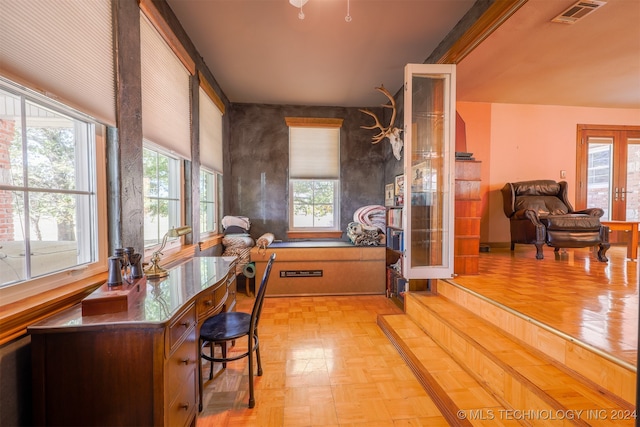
pixel 314 153
pixel 210 133
pixel 165 93
pixel 74 66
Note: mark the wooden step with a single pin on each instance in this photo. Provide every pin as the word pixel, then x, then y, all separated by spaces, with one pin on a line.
pixel 615 375
pixel 459 397
pixel 521 383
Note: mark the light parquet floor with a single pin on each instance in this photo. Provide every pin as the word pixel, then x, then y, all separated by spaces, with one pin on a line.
pixel 593 302
pixel 327 363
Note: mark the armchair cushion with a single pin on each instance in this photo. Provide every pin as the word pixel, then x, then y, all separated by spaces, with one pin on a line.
pixel 575 222
pixel 542 205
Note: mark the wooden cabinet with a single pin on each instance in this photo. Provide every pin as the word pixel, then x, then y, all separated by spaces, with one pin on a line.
pixel 135 367
pixel 467 216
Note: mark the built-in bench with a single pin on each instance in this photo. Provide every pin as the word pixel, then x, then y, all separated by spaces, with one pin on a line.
pixel 322 268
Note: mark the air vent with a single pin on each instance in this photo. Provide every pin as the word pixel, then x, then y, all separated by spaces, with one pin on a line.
pixel 578 11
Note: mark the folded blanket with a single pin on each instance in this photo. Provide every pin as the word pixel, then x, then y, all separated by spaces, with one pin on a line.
pixel 365 235
pixel 238 221
pixel 372 215
pixel 232 241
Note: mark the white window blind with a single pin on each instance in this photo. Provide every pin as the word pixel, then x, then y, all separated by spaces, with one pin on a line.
pixel 165 93
pixel 210 133
pixel 314 153
pixel 63 49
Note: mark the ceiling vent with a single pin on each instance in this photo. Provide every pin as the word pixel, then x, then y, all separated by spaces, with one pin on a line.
pixel 578 11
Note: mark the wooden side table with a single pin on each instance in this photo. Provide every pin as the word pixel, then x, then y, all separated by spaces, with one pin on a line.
pixel 630 226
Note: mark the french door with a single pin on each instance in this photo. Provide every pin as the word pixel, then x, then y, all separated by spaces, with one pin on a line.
pixel 608 164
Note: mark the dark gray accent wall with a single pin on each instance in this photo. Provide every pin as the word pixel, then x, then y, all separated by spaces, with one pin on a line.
pixel 256 177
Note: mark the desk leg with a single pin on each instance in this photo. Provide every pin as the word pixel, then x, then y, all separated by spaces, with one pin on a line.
pixel 632 248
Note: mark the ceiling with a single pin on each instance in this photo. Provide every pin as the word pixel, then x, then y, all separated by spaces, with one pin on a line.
pixel 260 51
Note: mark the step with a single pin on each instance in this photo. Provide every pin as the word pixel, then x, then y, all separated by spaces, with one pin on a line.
pixel 459 397
pixel 615 375
pixel 523 384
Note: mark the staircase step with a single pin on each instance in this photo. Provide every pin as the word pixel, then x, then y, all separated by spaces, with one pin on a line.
pixel 459 397
pixel 616 376
pixel 517 376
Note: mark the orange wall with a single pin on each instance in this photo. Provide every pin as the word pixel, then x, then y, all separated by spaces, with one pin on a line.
pixel 518 142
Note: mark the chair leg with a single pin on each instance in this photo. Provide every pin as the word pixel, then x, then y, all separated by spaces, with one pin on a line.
pixel 252 400
pixel 201 385
pixel 513 246
pixel 602 250
pixel 224 354
pixel 539 253
pixel 258 356
pixel 211 350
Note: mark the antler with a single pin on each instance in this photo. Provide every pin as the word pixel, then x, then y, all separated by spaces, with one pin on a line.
pixel 384 131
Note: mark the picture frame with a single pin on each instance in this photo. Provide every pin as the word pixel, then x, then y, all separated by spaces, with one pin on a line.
pixel 419 178
pixel 389 192
pixel 399 185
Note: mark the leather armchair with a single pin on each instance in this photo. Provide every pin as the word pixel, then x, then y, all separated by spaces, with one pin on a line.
pixel 539 213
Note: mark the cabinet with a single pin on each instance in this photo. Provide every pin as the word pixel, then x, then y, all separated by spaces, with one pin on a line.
pixel 467 217
pixel 134 367
pixel 427 248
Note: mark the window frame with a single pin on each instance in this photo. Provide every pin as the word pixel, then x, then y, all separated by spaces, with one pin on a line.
pixel 96 143
pixel 315 232
pixel 178 185
pixel 215 178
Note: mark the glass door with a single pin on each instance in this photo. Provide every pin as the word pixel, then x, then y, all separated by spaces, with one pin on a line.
pixel 429 138
pixel 609 171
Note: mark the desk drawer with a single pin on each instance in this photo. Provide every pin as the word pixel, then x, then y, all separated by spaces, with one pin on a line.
pixel 181 410
pixel 179 329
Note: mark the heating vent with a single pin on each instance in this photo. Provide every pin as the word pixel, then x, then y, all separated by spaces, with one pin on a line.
pixel 578 11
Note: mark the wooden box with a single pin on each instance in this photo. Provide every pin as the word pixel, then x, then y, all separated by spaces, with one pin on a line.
pixel 113 299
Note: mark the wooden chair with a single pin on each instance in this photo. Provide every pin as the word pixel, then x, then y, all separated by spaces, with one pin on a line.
pixel 221 328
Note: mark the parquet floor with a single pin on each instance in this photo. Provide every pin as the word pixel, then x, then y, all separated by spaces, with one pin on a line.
pixel 327 363
pixel 594 302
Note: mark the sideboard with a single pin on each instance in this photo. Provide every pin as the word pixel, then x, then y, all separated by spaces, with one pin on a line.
pixel 133 367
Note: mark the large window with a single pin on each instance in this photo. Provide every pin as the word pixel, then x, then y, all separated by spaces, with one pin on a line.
pixel 314 174
pixel 48 181
pixel 162 208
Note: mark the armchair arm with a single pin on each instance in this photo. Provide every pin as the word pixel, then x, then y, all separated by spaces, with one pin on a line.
pixel 529 214
pixel 597 212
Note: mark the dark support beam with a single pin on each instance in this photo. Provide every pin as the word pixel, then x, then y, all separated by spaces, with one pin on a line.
pixel 126 207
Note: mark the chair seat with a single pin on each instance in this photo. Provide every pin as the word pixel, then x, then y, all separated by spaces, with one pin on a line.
pixel 226 326
pixel 573 222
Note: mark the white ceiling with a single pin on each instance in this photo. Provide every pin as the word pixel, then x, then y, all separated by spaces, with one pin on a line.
pixel 260 52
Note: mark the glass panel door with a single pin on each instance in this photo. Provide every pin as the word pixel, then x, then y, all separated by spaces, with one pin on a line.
pixel 600 173
pixel 429 116
pixel 631 195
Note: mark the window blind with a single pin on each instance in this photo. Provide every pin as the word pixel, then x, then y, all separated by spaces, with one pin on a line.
pixel 74 66
pixel 210 133
pixel 314 153
pixel 165 93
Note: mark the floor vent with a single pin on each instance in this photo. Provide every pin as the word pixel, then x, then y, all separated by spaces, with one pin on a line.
pixel 578 11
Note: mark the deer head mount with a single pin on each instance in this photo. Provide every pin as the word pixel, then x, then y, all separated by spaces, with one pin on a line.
pixel 391 132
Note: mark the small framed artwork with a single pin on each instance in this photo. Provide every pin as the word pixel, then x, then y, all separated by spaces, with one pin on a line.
pixel 399 185
pixel 388 195
pixel 419 177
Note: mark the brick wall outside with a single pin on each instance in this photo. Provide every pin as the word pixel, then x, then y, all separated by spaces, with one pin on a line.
pixel 6 208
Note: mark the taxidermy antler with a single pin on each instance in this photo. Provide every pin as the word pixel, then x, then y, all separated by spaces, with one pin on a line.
pixel 391 132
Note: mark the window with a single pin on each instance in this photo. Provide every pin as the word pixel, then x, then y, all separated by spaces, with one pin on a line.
pixel 49 207
pixel 162 207
pixel 314 174
pixel 208 217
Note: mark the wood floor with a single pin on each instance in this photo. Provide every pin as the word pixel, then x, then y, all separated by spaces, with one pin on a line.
pixel 327 363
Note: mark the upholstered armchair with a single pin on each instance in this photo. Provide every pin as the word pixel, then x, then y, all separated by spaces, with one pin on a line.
pixel 539 213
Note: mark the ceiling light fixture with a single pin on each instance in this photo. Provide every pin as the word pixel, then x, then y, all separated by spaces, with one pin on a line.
pixel 299 3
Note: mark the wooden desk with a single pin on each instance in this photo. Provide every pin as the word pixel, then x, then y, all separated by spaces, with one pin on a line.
pixel 134 367
pixel 630 226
